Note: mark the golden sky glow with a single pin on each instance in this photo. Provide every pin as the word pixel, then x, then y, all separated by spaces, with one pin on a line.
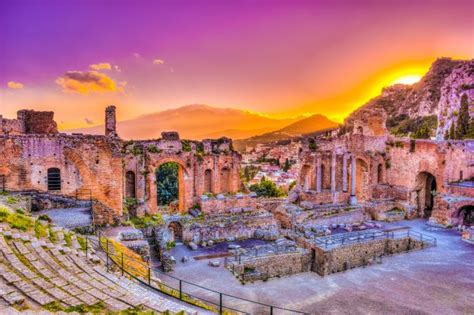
pixel 292 59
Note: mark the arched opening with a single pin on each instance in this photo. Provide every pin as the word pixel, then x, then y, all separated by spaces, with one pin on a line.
pixel 362 180
pixel 379 173
pixel 426 190
pixel 305 177
pixel 54 179
pixel 466 215
pixel 130 191
pixel 169 185
pixel 360 130
pixel 208 181
pixel 176 230
pixel 225 180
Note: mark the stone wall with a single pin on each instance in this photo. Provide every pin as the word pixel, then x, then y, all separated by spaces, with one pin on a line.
pixel 271 266
pixel 228 204
pixel 231 227
pixel 361 254
pixel 34 122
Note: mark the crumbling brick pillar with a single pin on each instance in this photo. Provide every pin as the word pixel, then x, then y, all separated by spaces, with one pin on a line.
pixel 344 173
pixel 353 200
pixel 110 121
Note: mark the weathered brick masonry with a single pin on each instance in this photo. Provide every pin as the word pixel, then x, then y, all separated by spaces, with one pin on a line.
pixel 36 157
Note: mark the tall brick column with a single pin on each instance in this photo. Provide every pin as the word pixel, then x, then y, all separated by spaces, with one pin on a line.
pixel 110 121
pixel 344 173
pixel 318 178
pixel 353 200
pixel 333 172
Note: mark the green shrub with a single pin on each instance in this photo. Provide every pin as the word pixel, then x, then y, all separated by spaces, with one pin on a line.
pixel 12 200
pixel 267 188
pixel 170 245
pixel 44 217
pixel 40 230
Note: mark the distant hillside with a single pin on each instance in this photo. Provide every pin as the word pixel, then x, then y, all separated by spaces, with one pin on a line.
pixel 302 127
pixel 427 108
pixel 195 122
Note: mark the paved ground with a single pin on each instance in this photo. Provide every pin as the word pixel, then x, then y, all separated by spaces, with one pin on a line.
pixel 437 280
pixel 69 217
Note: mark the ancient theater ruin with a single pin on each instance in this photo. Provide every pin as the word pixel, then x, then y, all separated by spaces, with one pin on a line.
pixel 171 203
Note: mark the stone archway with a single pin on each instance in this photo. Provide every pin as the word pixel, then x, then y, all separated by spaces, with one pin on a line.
pixel 177 230
pixel 170 185
pixel 130 187
pixel 305 177
pixel 362 180
pixel 225 180
pixel 208 181
pixel 466 215
pixel 425 188
pixel 379 173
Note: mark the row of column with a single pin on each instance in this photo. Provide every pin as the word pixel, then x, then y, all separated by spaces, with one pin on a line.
pixel 333 175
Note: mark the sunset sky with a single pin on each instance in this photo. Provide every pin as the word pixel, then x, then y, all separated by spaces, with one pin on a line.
pixel 279 58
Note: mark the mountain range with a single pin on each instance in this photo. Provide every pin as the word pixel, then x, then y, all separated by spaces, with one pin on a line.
pixel 202 121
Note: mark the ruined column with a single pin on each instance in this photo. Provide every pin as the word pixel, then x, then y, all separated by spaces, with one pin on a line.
pixel 353 200
pixel 344 173
pixel 110 121
pixel 333 172
pixel 318 177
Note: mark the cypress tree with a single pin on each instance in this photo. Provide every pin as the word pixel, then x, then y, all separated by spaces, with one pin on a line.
pixel 463 118
pixel 470 131
pixel 452 132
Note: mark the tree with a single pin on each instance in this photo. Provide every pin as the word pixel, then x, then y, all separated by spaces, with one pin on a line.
pixel 266 188
pixel 463 118
pixel 287 165
pixel 167 183
pixel 470 131
pixel 452 132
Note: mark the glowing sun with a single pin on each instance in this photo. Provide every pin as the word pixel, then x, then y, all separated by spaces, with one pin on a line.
pixel 408 79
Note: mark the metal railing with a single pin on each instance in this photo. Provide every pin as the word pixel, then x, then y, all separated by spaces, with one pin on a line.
pixel 366 236
pixel 183 290
pixel 3 183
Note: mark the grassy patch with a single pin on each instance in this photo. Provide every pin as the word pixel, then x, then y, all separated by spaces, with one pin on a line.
pixel 147 221
pixel 56 306
pixel 16 220
pixel 40 230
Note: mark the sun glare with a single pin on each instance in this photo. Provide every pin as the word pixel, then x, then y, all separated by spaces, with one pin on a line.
pixel 408 79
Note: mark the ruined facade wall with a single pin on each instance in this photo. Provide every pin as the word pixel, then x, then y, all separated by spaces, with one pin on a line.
pixel 85 163
pixel 145 162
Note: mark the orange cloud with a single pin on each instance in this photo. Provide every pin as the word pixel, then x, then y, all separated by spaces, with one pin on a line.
pixel 101 66
pixel 14 85
pixel 86 82
pixel 158 62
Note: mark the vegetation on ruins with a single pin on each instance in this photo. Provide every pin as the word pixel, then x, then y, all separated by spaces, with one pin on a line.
pixel 312 145
pixel 267 188
pixel 186 145
pixel 153 149
pixel 147 221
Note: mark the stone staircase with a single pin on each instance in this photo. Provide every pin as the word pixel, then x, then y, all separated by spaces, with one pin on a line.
pixel 39 274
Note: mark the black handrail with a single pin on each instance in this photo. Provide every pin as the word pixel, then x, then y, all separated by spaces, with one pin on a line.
pixel 179 293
